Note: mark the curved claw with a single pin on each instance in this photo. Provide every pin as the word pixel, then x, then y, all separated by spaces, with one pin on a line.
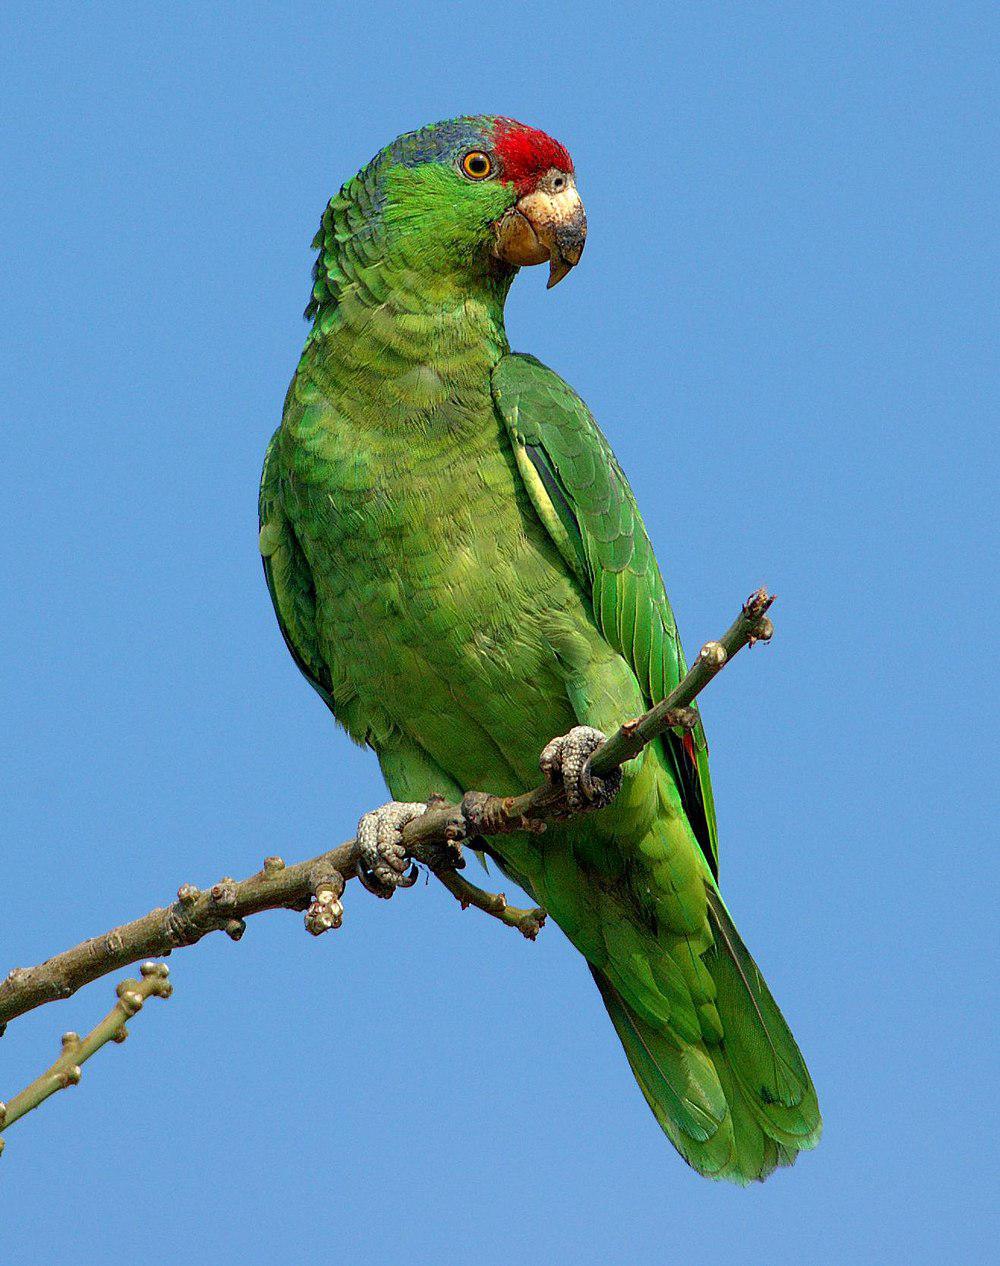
pixel 369 881
pixel 377 888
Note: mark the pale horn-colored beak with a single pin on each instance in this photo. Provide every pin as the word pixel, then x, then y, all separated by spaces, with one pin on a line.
pixel 547 224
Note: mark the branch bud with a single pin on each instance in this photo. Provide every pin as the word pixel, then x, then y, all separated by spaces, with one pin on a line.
pixel 325 911
pixel 713 654
pixel 224 892
pixel 129 998
pixel 763 630
pixel 757 604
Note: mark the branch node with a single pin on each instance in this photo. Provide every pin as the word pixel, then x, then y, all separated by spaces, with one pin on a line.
pixel 224 892
pixel 532 923
pixel 129 998
pixel 149 968
pixel 763 631
pixel 323 879
pixel 713 654
pixel 234 928
pixel 188 894
pixel 324 911
pixel 69 1040
pixel 180 926
pixel 486 814
pixel 272 865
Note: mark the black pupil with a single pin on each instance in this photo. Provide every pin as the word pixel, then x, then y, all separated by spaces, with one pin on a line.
pixel 477 165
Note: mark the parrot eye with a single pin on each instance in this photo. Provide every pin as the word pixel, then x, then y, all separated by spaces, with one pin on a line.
pixel 477 165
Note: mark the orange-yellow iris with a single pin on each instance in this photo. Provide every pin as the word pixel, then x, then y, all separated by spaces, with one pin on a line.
pixel 477 165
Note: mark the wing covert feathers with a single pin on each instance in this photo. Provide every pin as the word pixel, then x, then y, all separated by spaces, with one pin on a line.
pixel 584 500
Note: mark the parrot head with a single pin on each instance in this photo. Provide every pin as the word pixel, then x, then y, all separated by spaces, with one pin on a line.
pixel 466 199
pixel 485 190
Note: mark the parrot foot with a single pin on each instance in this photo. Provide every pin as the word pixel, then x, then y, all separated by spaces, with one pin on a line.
pixel 566 760
pixel 382 861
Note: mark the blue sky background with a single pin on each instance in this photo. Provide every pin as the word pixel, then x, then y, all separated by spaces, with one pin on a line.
pixel 785 322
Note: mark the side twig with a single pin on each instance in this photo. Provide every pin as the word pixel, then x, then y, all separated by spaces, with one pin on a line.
pixel 66 1071
pixel 528 922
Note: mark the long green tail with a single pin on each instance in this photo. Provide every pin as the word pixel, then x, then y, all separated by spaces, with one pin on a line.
pixel 736 1108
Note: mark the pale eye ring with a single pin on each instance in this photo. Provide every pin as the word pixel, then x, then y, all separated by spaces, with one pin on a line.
pixel 477 165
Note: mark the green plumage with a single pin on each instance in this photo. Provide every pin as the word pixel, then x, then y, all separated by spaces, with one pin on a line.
pixel 459 567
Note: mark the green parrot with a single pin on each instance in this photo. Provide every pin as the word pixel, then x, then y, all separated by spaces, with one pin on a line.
pixel 459 568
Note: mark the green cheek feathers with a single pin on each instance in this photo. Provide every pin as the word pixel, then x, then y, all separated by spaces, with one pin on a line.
pixel 437 217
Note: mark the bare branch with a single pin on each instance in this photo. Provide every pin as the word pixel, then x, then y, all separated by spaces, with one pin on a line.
pixel 316 886
pixel 222 908
pixel 528 922
pixel 66 1071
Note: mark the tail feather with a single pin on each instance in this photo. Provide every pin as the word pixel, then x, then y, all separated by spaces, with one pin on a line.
pixel 765 1059
pixel 687 1100
pixel 736 1108
pixel 756 1153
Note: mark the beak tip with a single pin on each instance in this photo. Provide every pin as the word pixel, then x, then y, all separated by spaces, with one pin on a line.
pixel 558 269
